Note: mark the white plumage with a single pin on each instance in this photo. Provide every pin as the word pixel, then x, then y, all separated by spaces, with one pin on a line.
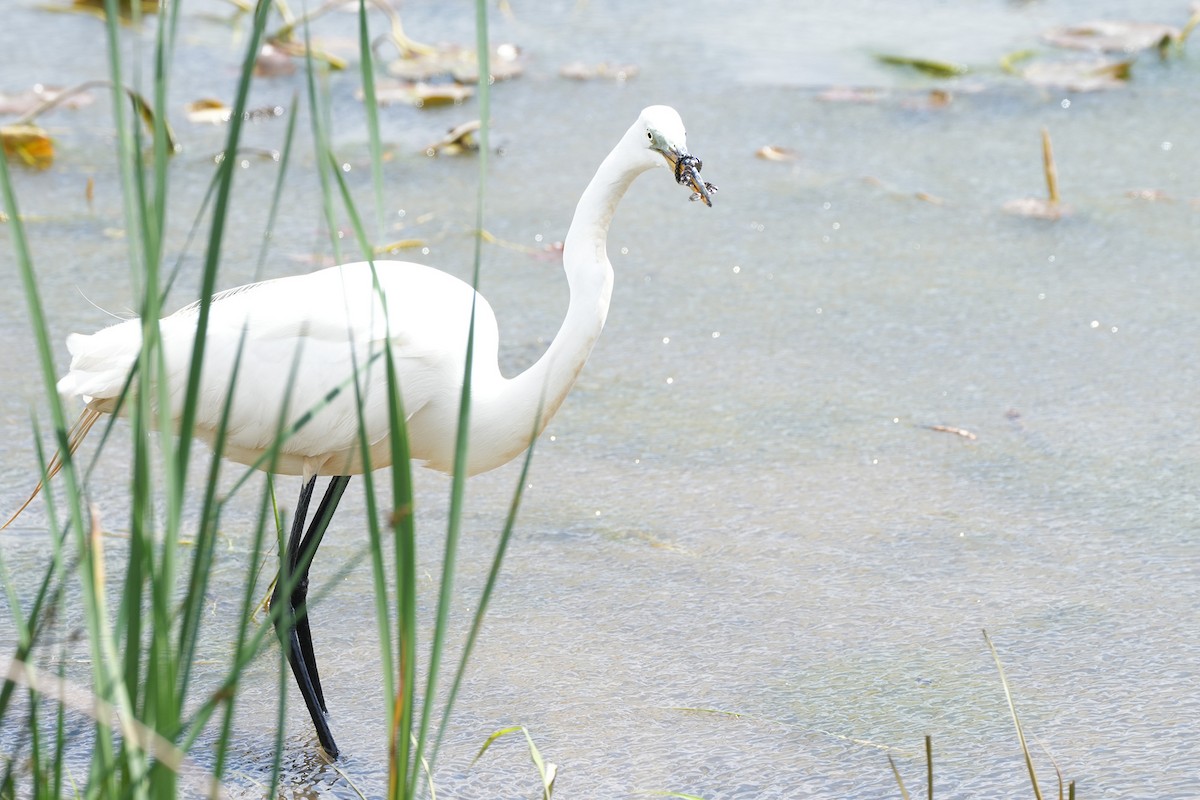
pixel 302 337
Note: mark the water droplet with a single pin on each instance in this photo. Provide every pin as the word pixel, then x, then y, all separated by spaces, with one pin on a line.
pixel 1066 103
pixel 401 213
pixel 345 167
pixel 624 251
pixel 736 270
pixel 1041 295
pixel 825 239
pixel 827 205
pixel 1095 323
pixel 1166 146
pixel 837 226
pixel 424 251
pixel 597 513
pixel 1114 328
pixel 244 164
pixel 553 438
pixel 537 238
pixel 666 340
pixel 820 310
pixel 670 381
pixel 1052 258
pixel 716 334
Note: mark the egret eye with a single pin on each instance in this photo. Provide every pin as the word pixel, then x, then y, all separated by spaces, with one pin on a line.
pixel 650 135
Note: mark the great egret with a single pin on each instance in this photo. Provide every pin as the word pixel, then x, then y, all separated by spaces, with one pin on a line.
pixel 307 334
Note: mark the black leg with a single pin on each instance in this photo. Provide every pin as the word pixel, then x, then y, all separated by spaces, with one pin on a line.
pixel 292 624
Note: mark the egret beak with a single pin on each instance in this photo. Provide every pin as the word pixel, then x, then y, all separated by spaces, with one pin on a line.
pixel 687 173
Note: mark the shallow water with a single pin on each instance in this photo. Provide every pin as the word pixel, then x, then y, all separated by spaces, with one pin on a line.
pixel 743 506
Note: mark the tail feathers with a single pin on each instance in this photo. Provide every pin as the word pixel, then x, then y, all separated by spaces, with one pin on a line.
pixel 74 438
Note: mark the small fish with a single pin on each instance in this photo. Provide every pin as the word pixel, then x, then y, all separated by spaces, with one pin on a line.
pixel 687 173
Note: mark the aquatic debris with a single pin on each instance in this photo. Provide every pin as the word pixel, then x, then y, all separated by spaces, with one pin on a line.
pixel 419 94
pixel 579 71
pixel 460 139
pixel 1088 75
pixel 1108 36
pixel 937 69
pixel 27 144
pixel 963 432
pixel 207 111
pixel 273 62
pixel 1049 208
pixel 457 62
pixel 773 153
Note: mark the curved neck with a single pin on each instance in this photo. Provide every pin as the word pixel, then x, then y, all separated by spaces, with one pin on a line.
pixel 541 389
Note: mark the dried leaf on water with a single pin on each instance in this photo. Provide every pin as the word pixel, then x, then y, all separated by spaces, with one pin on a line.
pixel 419 94
pixel 938 69
pixel 273 62
pixel 207 111
pixel 963 432
pixel 28 144
pixel 1089 75
pixel 39 95
pixel 460 139
pixel 457 62
pixel 1110 36
pixel 772 153
pixel 579 71
pixel 97 7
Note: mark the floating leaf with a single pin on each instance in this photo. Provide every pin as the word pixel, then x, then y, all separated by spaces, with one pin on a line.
pixel 579 71
pixel 1104 36
pixel 124 7
pixel 297 49
pixel 1009 62
pixel 938 69
pixel 457 62
pixel 207 111
pixel 460 139
pixel 419 94
pixel 28 144
pixel 273 62
pixel 1090 75
pixel 772 153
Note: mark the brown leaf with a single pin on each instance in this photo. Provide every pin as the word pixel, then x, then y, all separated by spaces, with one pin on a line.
pixel 1108 36
pixel 419 94
pixel 459 140
pixel 273 62
pixel 28 144
pixel 207 111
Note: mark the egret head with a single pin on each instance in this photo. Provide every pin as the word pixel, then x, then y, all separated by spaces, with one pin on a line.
pixel 661 131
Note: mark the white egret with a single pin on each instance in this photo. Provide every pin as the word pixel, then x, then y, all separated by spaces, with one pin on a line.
pixel 308 334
